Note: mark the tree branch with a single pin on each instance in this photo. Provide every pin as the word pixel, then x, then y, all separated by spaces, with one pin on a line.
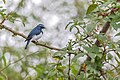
pixel 22 35
pixel 69 66
pixel 104 30
pixel 102 74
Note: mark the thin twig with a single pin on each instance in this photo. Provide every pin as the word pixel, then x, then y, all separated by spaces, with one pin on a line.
pixel 102 74
pixel 5 18
pixel 69 66
pixel 78 72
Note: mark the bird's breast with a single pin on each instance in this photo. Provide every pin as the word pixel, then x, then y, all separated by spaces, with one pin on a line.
pixel 36 37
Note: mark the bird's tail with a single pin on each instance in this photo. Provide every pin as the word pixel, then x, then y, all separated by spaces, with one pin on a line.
pixel 27 44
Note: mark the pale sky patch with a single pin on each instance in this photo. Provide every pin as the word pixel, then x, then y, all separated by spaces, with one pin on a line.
pixel 37 2
pixel 53 20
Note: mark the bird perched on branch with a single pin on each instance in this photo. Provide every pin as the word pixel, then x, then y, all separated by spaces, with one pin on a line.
pixel 35 34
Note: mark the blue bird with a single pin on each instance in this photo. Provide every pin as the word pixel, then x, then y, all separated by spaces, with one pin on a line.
pixel 35 34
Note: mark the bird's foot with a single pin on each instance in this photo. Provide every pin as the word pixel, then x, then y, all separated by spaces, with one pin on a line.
pixel 35 41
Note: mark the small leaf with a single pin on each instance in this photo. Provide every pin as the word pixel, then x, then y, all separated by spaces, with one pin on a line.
pixel 110 57
pixel 95 49
pixel 68 25
pixel 77 56
pixel 105 0
pixel 3 10
pixel 59 55
pixel 1 78
pixel 101 38
pixel 117 61
pixel 115 25
pixel 52 73
pixel 2 14
pixel 4 59
pixel 93 1
pixel 91 8
pixel 88 49
pixel 61 68
pixel 118 34
pixel 69 45
pixel 118 55
pixel 1 7
pixel 90 27
pixel 71 27
pixel 23 23
pixel 78 31
pixel 4 1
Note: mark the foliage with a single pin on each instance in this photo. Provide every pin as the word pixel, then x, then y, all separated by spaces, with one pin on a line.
pixel 67 63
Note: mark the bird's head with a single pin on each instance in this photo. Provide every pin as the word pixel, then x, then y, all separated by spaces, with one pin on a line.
pixel 41 26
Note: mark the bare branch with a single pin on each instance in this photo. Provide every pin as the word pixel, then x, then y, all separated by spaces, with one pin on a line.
pixel 69 66
pixel 22 35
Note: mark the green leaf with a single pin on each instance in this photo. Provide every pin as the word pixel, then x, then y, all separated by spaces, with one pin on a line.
pixel 90 27
pixel 68 25
pixel 87 48
pixel 117 61
pixel 61 78
pixel 52 73
pixel 115 25
pixel 1 78
pixel 93 1
pixel 69 47
pixel 71 27
pixel 101 38
pixel 58 55
pixel 118 34
pixel 4 59
pixel 111 73
pixel 105 0
pixel 91 8
pixel 111 45
pixel 81 77
pixel 77 56
pixel 4 1
pixel 117 5
pixel 74 26
pixel 97 60
pixel 2 14
pixel 14 17
pixel 60 75
pixel 118 55
pixel 93 49
pixel 3 10
pixel 61 68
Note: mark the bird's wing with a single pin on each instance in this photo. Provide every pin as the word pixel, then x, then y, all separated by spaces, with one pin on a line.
pixel 36 37
pixel 33 32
